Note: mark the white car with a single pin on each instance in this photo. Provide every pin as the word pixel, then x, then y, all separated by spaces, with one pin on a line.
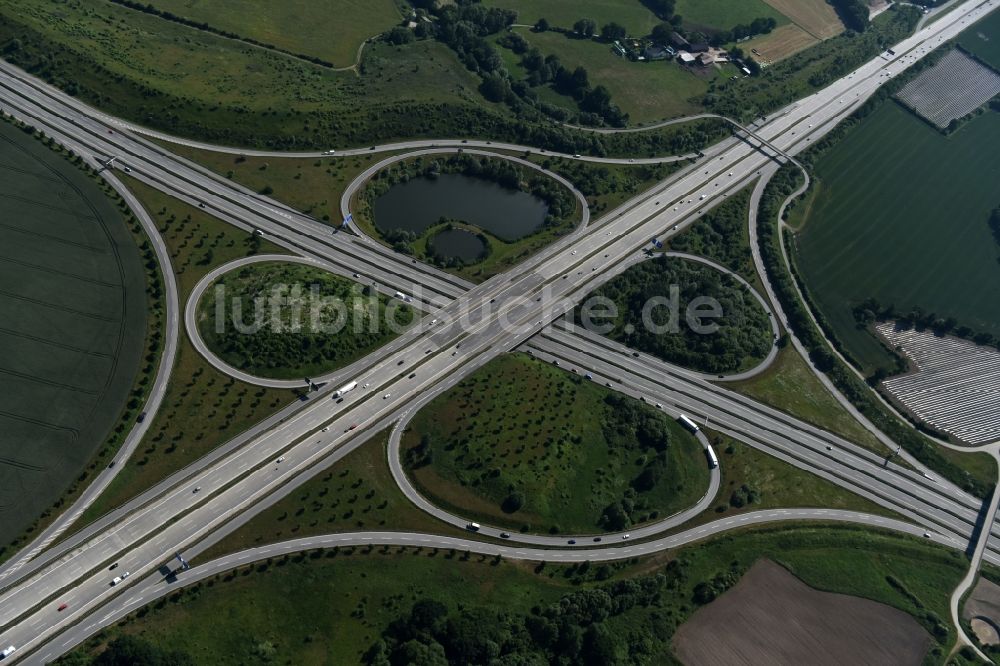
pixel 9 650
pixel 281 459
pixel 386 396
pixel 625 536
pixel 125 575
pixel 116 580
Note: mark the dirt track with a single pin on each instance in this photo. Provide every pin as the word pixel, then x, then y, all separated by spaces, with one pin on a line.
pixel 771 617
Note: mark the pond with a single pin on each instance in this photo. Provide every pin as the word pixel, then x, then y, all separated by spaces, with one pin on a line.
pixel 420 203
pixel 460 244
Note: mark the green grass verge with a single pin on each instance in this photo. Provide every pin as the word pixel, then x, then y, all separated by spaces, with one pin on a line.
pixel 319 322
pixel 983 39
pixel 742 336
pixel 714 15
pixel 334 606
pixel 202 408
pixel 789 385
pixel 82 329
pixel 524 444
pixel 331 30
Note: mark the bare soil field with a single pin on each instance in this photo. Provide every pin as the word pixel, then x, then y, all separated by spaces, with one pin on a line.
pixel 782 42
pixel 982 608
pixel 816 17
pixel 771 617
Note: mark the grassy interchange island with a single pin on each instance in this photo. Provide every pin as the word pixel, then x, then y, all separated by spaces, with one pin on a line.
pixel 527 445
pixel 288 321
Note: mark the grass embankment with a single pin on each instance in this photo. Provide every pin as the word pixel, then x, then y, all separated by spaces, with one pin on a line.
pixel 743 336
pixel 356 493
pixel 753 480
pixel 260 613
pixel 83 315
pixel 789 385
pixel 295 321
pixel 524 444
pixel 202 408
pixel 332 31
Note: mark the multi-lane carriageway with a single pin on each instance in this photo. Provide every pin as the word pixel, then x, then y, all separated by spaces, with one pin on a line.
pixel 524 301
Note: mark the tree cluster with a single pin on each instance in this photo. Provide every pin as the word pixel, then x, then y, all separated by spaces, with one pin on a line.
pixel 854 13
pixel 577 629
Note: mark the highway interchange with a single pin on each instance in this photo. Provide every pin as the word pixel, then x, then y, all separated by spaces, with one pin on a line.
pixel 474 323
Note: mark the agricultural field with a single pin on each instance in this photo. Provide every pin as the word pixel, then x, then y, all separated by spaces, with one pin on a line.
pixel 331 30
pixel 983 40
pixel 634 16
pixel 815 17
pixel 830 629
pixel 319 323
pixel 740 336
pixel 780 43
pixel 879 225
pixel 74 306
pixel 647 91
pixel 714 15
pixel 551 451
pixel 367 598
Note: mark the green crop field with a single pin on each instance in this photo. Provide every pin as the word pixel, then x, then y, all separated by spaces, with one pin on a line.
pixel 367 602
pixel 331 30
pixel 73 303
pixel 724 14
pixel 523 443
pixel 647 91
pixel 631 14
pixel 323 321
pixel 901 214
pixel 983 39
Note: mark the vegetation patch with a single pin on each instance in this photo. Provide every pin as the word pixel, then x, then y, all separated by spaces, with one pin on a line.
pixel 290 321
pixel 656 311
pixel 722 234
pixel 330 31
pixel 527 445
pixel 385 606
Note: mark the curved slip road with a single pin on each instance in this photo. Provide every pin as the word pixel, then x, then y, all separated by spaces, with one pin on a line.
pixel 154 586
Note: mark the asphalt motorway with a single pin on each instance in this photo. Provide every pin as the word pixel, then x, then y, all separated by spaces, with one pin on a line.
pixel 525 301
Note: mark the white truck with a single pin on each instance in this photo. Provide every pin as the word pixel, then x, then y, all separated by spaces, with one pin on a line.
pixel 346 388
pixel 688 423
pixel 713 461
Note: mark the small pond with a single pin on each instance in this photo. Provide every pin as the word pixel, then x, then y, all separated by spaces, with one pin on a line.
pixel 420 203
pixel 460 244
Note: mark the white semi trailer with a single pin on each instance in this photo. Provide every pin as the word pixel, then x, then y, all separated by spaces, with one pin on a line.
pixel 346 388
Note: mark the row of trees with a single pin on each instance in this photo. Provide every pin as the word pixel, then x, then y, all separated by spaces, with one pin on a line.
pixel 854 13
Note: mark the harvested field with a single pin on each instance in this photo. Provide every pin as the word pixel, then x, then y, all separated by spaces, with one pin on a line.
pixel 982 609
pixel 782 42
pixel 956 387
pixel 816 17
pixel 828 629
pixel 957 85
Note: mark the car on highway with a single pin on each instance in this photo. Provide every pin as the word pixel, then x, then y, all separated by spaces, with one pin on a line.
pixel 113 567
pixel 504 535
pixel 597 539
pixel 125 575
pixel 10 649
pixel 353 426
pixel 572 542
pixel 280 459
pixel 116 580
pixel 386 396
pixel 196 489
pixel 626 536
pixel 473 527
pixel 62 607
